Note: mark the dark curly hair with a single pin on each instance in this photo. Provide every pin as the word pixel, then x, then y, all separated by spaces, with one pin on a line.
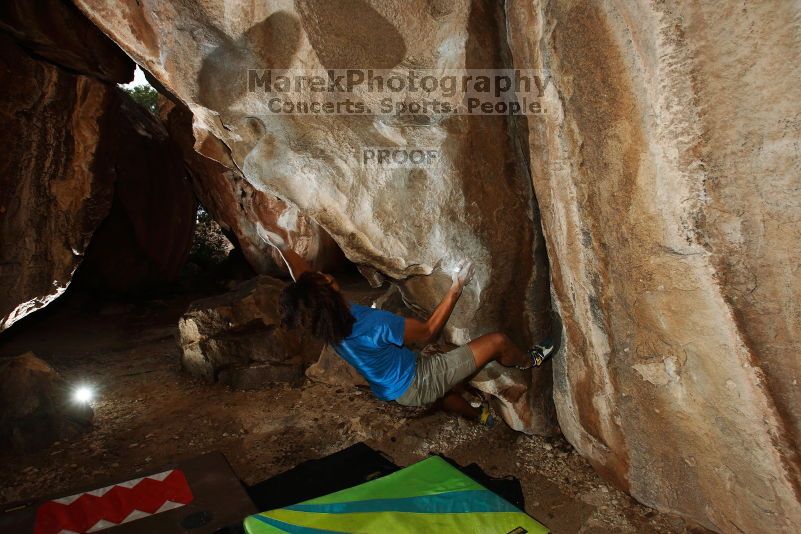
pixel 313 303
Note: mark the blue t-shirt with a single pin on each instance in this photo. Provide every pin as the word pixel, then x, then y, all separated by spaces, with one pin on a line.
pixel 375 349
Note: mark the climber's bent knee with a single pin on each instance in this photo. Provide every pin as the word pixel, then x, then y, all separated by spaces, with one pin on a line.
pixel 488 347
pixel 437 374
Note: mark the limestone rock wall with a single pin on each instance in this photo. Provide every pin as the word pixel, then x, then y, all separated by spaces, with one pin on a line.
pixel 81 162
pixel 80 153
pixel 476 202
pixel 667 170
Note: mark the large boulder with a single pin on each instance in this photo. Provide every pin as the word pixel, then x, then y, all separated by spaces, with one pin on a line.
pixel 409 223
pixel 237 339
pixel 58 32
pixel 51 197
pixel 79 152
pixel 667 172
pixel 144 241
pixel 36 406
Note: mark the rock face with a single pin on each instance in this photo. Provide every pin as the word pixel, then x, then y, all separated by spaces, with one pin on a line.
pixel 239 207
pixel 144 241
pixel 51 198
pixel 58 32
pixel 79 153
pixel 35 405
pixel 475 202
pixel 667 173
pixel 236 338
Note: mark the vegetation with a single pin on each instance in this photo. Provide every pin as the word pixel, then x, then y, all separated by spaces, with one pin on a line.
pixel 145 96
pixel 209 245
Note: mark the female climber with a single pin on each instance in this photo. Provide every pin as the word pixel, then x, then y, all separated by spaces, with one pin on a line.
pixel 375 341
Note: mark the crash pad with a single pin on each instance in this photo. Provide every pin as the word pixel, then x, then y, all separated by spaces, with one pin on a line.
pixel 429 496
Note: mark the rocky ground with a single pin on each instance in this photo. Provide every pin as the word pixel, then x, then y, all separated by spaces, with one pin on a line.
pixel 149 413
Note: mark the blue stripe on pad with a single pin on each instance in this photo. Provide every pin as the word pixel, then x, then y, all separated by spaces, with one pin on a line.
pixel 453 502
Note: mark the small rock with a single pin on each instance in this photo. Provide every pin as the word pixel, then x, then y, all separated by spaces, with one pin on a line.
pixel 132 445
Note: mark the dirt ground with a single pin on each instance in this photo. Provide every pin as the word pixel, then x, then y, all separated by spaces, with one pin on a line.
pixel 149 413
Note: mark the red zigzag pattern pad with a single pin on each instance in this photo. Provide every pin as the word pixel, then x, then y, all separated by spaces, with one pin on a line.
pixel 108 507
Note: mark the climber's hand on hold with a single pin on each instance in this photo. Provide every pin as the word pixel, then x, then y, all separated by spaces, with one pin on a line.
pixel 462 274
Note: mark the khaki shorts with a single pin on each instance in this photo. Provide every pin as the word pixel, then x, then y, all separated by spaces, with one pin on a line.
pixel 437 374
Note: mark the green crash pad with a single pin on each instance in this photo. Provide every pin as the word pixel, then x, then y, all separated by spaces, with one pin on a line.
pixel 429 496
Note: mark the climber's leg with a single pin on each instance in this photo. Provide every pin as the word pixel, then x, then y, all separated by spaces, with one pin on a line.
pixel 496 347
pixel 437 375
pixel 453 402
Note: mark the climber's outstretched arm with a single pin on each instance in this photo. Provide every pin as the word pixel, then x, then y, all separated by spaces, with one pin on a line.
pixel 418 332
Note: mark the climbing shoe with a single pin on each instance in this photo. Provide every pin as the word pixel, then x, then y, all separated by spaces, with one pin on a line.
pixel 539 353
pixel 486 418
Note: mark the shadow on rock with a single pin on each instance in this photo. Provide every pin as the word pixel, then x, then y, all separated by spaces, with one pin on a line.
pixel 350 34
pixel 269 44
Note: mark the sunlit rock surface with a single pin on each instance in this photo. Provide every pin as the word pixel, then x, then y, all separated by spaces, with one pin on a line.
pixel 668 173
pixel 475 202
